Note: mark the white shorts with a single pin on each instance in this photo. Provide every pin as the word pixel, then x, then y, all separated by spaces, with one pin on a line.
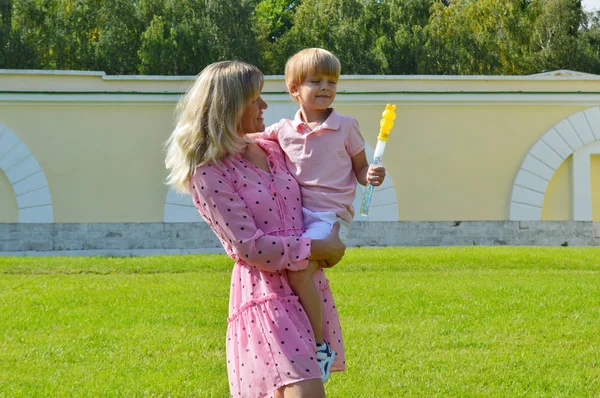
pixel 318 224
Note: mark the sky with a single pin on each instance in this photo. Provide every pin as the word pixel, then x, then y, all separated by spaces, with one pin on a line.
pixel 591 4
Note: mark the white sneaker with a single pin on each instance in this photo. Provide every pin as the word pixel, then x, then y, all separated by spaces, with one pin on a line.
pixel 325 357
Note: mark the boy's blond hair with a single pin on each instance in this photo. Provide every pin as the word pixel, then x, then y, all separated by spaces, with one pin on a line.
pixel 310 61
pixel 209 119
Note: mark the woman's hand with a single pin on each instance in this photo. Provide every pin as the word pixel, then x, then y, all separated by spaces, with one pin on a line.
pixel 337 247
pixel 328 251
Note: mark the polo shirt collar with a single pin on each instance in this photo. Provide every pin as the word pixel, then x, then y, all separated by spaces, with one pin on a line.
pixel 333 122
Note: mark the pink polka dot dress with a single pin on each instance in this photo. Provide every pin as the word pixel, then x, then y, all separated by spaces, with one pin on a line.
pixel 257 216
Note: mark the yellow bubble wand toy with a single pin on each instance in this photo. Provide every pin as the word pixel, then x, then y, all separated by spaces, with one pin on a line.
pixel 386 124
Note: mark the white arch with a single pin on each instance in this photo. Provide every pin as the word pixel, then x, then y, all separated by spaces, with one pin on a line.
pixel 384 204
pixel 574 135
pixel 180 208
pixel 27 179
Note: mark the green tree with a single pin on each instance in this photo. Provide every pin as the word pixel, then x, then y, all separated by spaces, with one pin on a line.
pixel 157 49
pixel 369 36
pixel 178 37
pixel 32 34
pixel 474 37
pixel 191 36
pixel 5 32
pixel 229 30
pixel 338 26
pixel 396 26
pixel 590 43
pixel 555 26
pixel 119 36
pixel 272 19
pixel 77 35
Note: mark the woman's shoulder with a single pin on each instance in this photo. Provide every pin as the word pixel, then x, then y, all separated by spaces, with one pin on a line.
pixel 215 169
pixel 210 166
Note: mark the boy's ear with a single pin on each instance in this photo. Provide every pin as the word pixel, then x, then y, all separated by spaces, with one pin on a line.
pixel 293 89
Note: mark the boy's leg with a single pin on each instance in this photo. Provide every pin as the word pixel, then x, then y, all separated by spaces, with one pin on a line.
pixel 301 282
pixel 303 286
pixel 318 226
pixel 344 229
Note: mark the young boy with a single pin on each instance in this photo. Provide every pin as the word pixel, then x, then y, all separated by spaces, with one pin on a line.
pixel 325 152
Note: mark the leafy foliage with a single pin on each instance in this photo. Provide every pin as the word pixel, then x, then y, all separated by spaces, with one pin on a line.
pixel 179 37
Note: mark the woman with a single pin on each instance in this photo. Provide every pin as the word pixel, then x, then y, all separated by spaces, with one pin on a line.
pixel 244 192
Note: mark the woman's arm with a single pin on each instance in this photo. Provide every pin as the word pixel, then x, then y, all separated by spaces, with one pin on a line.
pixel 328 251
pixel 232 221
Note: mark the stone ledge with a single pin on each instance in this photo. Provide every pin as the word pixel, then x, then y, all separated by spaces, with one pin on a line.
pixel 107 239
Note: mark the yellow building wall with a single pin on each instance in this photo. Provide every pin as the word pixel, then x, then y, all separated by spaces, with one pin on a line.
pixel 103 162
pixel 558 202
pixel 449 159
pixel 458 162
pixel 8 202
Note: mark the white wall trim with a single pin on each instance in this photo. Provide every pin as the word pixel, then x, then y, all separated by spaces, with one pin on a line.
pixel 180 208
pixel 562 74
pixel 577 135
pixel 86 99
pixel 27 179
pixel 582 189
pixel 433 99
pixel 384 202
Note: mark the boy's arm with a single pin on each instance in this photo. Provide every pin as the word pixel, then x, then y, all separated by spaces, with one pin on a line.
pixel 255 136
pixel 270 133
pixel 365 173
pixel 360 165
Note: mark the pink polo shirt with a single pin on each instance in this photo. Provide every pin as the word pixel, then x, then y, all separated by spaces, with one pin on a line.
pixel 321 160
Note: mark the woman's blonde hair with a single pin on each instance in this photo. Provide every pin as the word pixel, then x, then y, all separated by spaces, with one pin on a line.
pixel 209 117
pixel 310 61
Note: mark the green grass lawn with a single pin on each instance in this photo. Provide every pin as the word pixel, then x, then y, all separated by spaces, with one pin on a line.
pixel 418 322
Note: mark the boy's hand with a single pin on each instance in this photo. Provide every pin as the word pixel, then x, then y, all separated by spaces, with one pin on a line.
pixel 376 175
pixel 254 136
